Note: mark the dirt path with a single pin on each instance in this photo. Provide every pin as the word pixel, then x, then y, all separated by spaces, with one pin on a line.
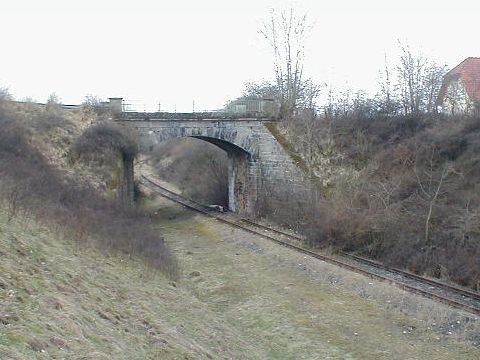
pixel 287 306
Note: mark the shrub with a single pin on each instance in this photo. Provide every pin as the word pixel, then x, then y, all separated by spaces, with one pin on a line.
pixel 105 147
pixel 406 191
pixel 105 136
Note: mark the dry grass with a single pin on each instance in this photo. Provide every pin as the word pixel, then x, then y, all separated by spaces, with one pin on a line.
pixel 60 302
pixel 238 298
pixel 299 308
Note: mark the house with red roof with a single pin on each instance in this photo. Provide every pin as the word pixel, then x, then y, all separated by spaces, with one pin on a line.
pixel 460 90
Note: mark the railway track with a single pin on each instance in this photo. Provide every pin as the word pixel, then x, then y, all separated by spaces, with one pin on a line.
pixel 453 296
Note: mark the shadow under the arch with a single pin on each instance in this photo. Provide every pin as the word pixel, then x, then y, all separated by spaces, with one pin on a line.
pixel 227 146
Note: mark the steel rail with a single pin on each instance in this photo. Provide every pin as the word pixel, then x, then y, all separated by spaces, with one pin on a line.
pixel 240 224
pixel 472 294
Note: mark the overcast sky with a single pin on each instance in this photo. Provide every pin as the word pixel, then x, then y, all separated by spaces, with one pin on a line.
pixel 183 50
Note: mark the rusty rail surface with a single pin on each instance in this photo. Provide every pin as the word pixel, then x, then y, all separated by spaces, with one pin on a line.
pixel 453 296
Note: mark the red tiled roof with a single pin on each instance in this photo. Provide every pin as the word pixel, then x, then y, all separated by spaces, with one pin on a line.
pixel 469 72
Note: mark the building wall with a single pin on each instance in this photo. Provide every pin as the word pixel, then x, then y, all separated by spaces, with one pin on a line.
pixel 456 100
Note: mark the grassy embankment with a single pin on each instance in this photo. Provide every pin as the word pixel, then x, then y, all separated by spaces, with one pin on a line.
pixel 237 299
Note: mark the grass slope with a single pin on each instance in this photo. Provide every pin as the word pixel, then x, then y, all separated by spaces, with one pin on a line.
pixel 60 302
pixel 233 302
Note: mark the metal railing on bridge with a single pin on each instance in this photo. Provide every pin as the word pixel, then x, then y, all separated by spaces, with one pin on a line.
pixel 265 107
pixel 140 106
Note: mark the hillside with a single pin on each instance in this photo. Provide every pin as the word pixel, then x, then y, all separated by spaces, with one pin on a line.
pixel 238 298
pixel 82 278
pixel 403 190
pixel 59 300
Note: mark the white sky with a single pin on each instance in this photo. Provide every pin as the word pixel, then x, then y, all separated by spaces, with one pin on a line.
pixel 178 51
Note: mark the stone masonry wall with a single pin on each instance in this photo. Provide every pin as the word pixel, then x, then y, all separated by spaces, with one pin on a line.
pixel 267 164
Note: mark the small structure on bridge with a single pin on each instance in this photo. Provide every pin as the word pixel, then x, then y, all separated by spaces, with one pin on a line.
pixel 244 106
pixel 115 104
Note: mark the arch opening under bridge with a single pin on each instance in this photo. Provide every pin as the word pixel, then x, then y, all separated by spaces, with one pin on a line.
pixel 238 163
pixel 223 184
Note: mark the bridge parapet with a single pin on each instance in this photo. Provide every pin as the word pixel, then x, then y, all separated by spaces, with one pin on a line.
pixel 219 116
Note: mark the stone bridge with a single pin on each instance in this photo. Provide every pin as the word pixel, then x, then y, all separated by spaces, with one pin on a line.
pixel 256 161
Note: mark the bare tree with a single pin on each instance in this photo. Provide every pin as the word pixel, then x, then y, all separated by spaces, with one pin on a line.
pixel 419 81
pixel 410 76
pixel 432 180
pixel 308 94
pixel 5 94
pixel 260 90
pixel 432 81
pixel 285 34
pixel 386 102
pixel 53 103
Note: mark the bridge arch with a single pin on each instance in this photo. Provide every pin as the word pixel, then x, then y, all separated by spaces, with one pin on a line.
pixel 238 166
pixel 257 162
pixel 242 164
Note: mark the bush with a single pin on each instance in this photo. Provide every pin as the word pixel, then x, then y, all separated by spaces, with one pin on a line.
pixel 106 148
pixel 405 190
pixel 105 136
